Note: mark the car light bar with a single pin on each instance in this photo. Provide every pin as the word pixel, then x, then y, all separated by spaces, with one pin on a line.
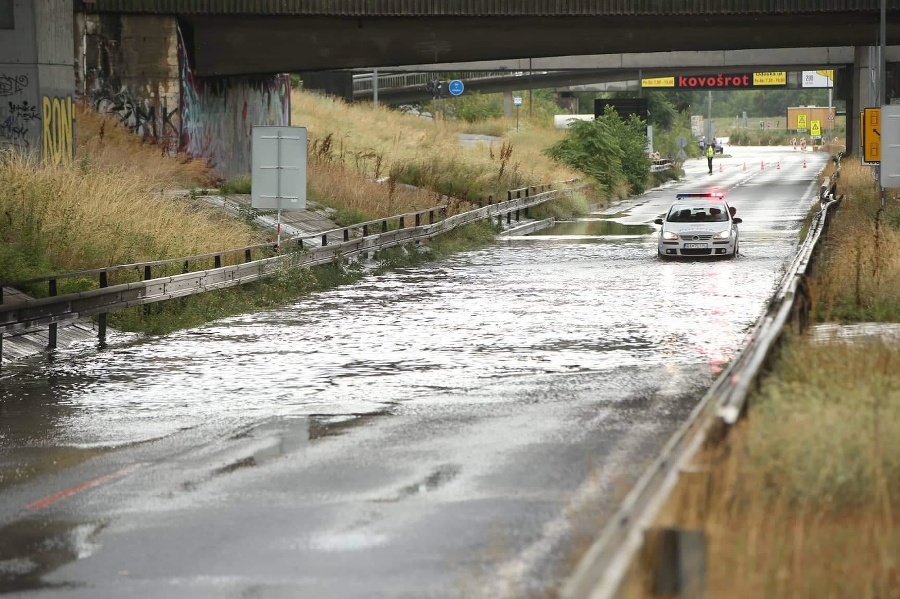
pixel 706 194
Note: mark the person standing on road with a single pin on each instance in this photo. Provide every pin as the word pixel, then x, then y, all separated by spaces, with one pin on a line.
pixel 710 151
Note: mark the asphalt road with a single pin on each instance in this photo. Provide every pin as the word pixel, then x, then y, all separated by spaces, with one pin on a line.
pixel 459 429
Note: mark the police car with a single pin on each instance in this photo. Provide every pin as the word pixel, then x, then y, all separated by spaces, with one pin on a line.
pixel 699 224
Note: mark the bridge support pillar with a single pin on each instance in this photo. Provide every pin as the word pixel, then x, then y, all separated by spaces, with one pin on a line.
pixel 38 86
pixel 860 93
pixel 507 104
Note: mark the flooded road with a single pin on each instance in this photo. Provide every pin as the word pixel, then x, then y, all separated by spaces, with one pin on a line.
pixel 458 429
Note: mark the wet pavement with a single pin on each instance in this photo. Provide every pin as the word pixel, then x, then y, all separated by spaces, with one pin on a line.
pixel 458 429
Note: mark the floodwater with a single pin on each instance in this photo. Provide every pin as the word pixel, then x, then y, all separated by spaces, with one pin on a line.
pixel 453 429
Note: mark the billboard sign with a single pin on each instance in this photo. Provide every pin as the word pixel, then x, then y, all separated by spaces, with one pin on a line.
pixel 817 79
pixel 719 81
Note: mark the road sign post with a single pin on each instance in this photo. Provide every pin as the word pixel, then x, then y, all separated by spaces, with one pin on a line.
pixel 279 158
pixel 517 101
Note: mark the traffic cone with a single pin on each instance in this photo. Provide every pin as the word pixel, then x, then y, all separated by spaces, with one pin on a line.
pixel 745 166
pixel 720 167
pixel 778 166
pixel 762 166
pixel 804 163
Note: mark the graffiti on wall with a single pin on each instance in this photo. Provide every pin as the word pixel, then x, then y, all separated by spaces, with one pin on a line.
pixel 17 118
pixel 144 114
pixel 11 85
pixel 59 128
pixel 218 114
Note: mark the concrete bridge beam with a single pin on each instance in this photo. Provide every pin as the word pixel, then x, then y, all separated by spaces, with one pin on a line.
pixel 37 111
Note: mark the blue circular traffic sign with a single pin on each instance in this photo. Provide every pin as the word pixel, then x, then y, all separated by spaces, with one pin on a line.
pixel 456 87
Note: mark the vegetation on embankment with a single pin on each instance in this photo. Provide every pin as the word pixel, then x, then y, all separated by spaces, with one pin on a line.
pixel 110 206
pixel 803 499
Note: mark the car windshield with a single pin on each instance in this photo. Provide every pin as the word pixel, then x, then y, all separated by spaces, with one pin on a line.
pixel 697 214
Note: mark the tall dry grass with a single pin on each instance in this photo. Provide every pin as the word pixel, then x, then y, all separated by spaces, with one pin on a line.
pixel 379 142
pixel 859 277
pixel 103 142
pixel 85 215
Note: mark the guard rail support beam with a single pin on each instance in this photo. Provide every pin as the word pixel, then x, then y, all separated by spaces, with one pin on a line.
pixel 51 335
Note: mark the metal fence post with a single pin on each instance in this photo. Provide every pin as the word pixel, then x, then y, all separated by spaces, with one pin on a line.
pixel 676 560
pixel 101 318
pixel 51 338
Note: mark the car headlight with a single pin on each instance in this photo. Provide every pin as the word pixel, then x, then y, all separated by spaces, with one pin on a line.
pixel 723 234
pixel 669 235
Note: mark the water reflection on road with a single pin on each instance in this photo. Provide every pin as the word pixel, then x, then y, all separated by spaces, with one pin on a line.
pixel 532 308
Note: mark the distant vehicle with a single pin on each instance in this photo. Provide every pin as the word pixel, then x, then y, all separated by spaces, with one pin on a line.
pixel 699 224
pixel 718 146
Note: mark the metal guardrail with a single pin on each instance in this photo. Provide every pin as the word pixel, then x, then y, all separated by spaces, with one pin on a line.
pixel 601 572
pixel 57 309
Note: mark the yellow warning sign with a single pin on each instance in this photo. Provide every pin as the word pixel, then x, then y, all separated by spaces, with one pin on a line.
pixel 770 78
pixel 871 132
pixel 658 82
pixel 815 128
pixel 801 122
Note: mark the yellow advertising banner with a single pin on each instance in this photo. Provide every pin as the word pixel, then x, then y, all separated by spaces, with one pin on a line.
pixel 770 78
pixel 658 82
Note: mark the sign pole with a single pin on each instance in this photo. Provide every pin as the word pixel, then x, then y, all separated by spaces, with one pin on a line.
pixel 883 80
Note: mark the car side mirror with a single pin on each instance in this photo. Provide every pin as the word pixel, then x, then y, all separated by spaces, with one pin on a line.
pixel 737 220
pixel 658 221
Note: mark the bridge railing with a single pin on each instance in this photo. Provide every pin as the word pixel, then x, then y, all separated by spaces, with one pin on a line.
pixel 364 82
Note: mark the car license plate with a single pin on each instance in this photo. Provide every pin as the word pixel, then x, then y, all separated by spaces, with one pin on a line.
pixel 695 246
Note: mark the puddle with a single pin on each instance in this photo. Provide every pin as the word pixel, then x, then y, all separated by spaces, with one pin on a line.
pixel 595 228
pixel 441 476
pixel 30 549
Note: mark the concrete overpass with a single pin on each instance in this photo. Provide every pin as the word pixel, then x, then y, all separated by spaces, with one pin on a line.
pixel 197 75
pixel 621 72
pixel 264 36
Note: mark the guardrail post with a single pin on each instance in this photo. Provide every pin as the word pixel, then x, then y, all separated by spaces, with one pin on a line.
pixel 431 217
pixel 217 261
pixel 324 239
pixel 51 337
pixel 365 230
pixel 148 274
pixel 185 268
pixel 508 218
pixel 499 220
pixel 490 200
pixel 418 219
pixel 517 215
pixel 384 226
pixel 346 234
pixel 101 318
pixel 676 561
pixel 401 225
pixel 300 242
pixel 508 195
pixel 248 257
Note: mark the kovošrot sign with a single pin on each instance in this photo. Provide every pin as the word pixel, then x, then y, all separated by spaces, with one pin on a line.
pixel 719 81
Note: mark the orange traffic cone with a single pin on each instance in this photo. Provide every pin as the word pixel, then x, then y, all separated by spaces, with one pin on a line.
pixel 745 166
pixel 762 166
pixel 778 166
pixel 804 163
pixel 720 167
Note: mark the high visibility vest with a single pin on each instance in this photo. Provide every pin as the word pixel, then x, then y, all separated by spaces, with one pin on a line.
pixel 710 152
